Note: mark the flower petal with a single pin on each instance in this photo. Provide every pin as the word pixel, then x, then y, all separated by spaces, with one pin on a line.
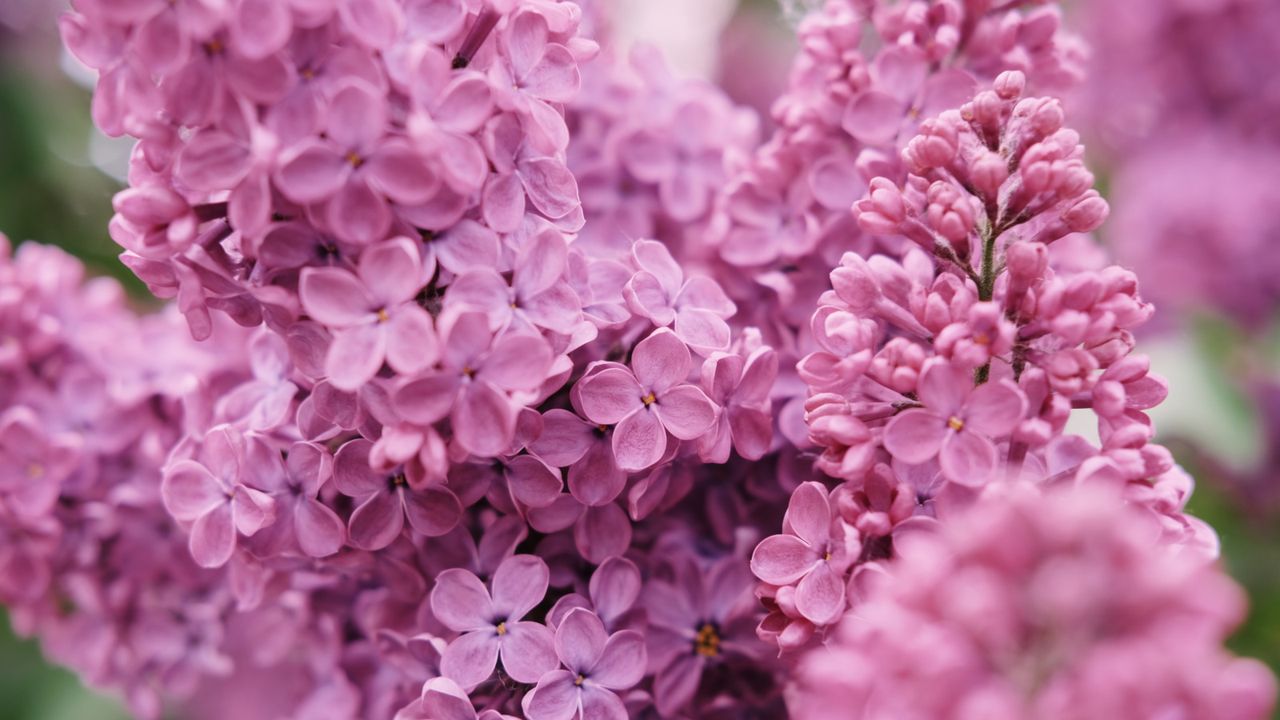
pixel 622 662
pixel 519 584
pixel 610 395
pixel 782 559
pixel 660 361
pixel 355 356
pixel 377 522
pixel 432 511
pixel 528 651
pixel 685 411
pixel 555 697
pixel 334 297
pixel 820 595
pixel 915 436
pixel 213 537
pixel 580 639
pixel 471 659
pixel 320 530
pixel 461 602
pixel 639 440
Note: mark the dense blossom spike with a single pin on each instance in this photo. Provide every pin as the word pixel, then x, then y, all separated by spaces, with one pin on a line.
pixel 515 360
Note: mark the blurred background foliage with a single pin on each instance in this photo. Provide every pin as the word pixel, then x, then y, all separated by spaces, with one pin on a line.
pixel 56 183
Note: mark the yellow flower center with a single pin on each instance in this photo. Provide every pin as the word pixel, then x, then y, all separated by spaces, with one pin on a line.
pixel 955 423
pixel 354 159
pixel 579 680
pixel 383 316
pixel 649 399
pixel 35 471
pixel 502 628
pixel 707 642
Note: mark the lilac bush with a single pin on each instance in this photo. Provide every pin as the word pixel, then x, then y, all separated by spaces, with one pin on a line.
pixel 519 381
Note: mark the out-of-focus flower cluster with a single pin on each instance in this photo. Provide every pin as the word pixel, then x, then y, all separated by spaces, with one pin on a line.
pixel 1054 606
pixel 514 396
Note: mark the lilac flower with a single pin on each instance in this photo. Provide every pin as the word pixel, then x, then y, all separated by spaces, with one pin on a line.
pixel 612 593
pixel 303 522
pixel 537 298
pixel 957 423
pixel 539 73
pixel 265 402
pixel 385 500
pixel 478 372
pixel 697 307
pixel 218 493
pixel 493 626
pixel 373 314
pixel 596 666
pixel 33 463
pixel 813 554
pixel 357 168
pixel 648 400
pixel 587 450
pixel 740 386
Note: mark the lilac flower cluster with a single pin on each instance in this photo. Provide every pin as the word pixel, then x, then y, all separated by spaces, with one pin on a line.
pixel 953 366
pixel 89 560
pixel 491 450
pixel 1026 608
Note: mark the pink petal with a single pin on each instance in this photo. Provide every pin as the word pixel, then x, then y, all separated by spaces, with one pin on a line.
pixel 461 602
pixel 915 436
pixel 397 171
pixel 320 531
pixel 519 584
pixel 312 172
pixel 752 431
pixel 249 205
pixel 809 514
pixel 528 651
pixel 820 595
pixel 526 40
pixel 994 408
pixel 189 491
pixel 411 341
pixel 660 361
pixel 555 697
pixel 943 388
pixel 623 661
pixel 213 537
pixel 426 400
pixel 639 440
pixel 685 411
pixel 483 420
pixel 610 395
pixel 902 70
pixel 442 699
pixel 550 185
pixel 502 203
pixel 675 684
pixel 646 297
pixel 392 271
pixel 540 263
pixel 602 531
pixel 968 458
pixel 432 511
pixel 596 479
pixel 782 559
pixel 357 214
pixel 377 522
pixel 531 482
pixel 564 440
pixel 517 362
pixel 580 639
pixel 260 27
pixel 334 297
pixel 375 23
pixel 600 704
pixel 481 289
pixel 355 356
pixel 874 117
pixel 351 472
pixel 702 330
pixel 467 245
pixel 614 587
pixel 465 105
pixel 211 161
pixel 555 78
pixel 471 659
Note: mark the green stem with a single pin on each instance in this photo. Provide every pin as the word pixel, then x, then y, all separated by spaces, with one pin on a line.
pixel 986 287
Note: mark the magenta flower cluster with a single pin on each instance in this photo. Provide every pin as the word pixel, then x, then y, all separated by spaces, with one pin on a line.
pixel 514 362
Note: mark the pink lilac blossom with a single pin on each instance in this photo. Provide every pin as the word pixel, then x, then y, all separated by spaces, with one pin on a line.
pixel 495 449
pixel 1034 606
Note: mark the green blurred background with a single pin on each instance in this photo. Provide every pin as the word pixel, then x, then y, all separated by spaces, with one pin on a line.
pixel 52 189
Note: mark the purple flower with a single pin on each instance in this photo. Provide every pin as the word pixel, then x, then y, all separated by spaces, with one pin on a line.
pixel 697 306
pixel 33 463
pixel 303 523
pixel 218 494
pixel 648 400
pixel 493 626
pixel 813 553
pixel 596 664
pixel 373 314
pixel 479 373
pixel 385 500
pixel 536 74
pixel 741 387
pixel 538 296
pixel 357 168
pixel 587 450
pixel 957 423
